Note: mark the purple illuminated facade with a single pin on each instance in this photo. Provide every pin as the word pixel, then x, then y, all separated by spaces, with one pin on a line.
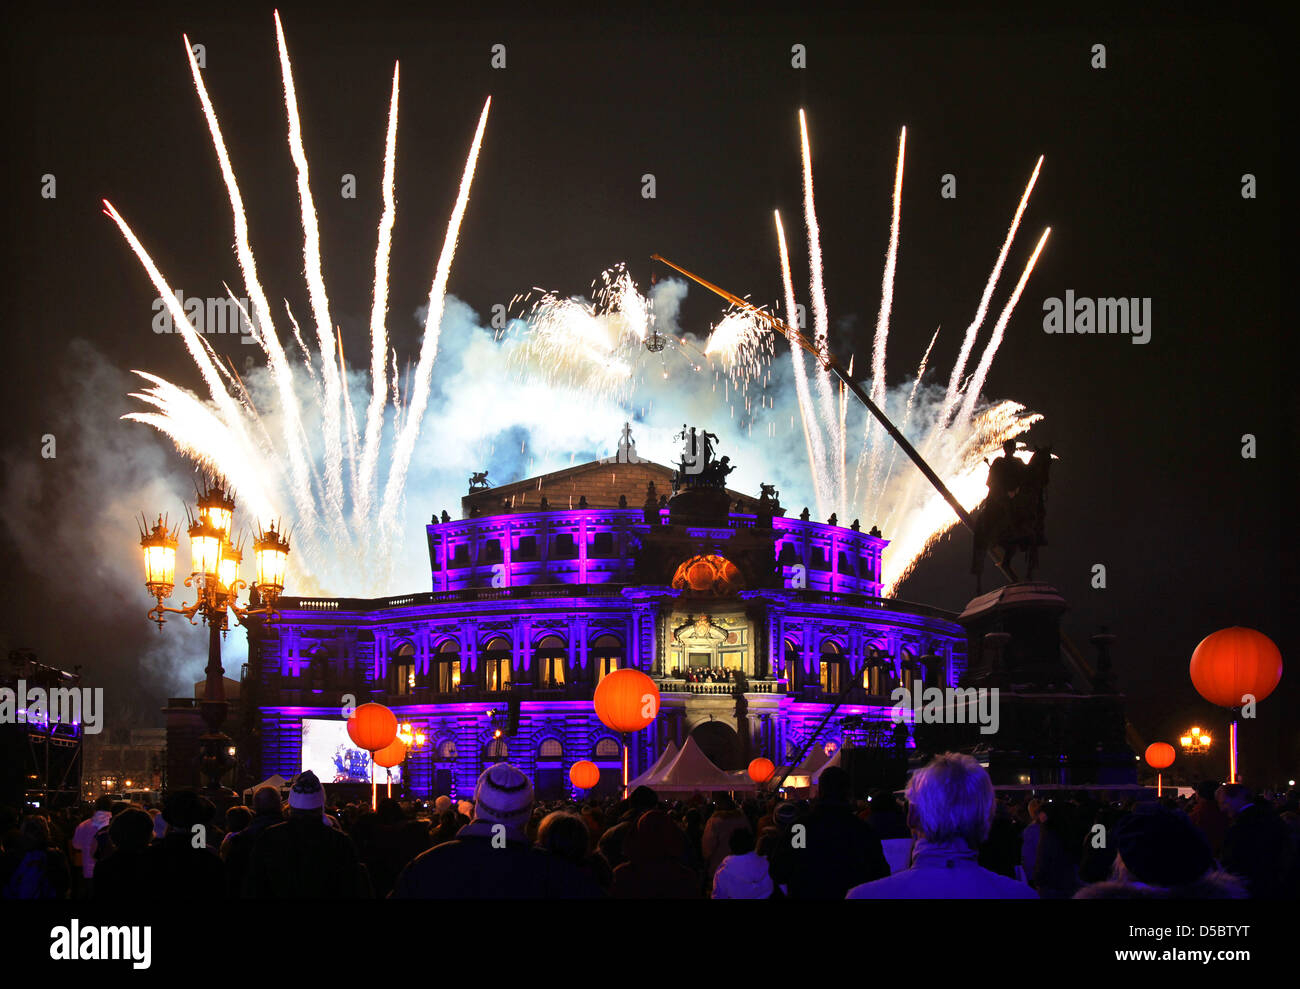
pixel 535 603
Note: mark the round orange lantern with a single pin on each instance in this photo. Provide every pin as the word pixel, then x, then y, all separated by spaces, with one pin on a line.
pixel 626 700
pixel 391 754
pixel 1160 755
pixel 1233 662
pixel 761 770
pixel 372 727
pixel 584 775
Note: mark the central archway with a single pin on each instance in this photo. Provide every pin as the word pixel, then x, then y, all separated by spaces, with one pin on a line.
pixel 719 741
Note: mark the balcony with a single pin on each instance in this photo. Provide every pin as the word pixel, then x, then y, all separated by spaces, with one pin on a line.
pixel 678 685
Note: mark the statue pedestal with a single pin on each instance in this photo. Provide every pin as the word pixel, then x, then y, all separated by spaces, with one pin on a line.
pixel 1054 726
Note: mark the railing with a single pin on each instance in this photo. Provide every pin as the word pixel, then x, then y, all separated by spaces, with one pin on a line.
pixel 676 685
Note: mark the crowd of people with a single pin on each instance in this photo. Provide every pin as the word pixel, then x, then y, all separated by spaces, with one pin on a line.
pixel 708 674
pixel 950 837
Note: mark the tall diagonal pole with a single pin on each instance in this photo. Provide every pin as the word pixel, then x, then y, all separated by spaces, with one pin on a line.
pixel 828 361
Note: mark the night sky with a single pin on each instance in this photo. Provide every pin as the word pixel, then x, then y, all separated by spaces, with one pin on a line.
pixel 1141 186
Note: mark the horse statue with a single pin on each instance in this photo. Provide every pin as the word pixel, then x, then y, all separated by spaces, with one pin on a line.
pixel 1013 516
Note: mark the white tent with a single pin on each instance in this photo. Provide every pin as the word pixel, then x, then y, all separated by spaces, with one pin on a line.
pixel 813 762
pixel 663 762
pixel 277 781
pixel 692 770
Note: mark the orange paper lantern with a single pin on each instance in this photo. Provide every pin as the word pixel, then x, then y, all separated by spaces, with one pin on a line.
pixel 372 727
pixel 1160 755
pixel 391 754
pixel 626 700
pixel 584 775
pixel 761 770
pixel 1234 662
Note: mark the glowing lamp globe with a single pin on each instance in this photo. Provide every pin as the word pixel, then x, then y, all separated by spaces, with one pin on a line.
pixel 205 550
pixel 159 559
pixel 391 754
pixel 761 770
pixel 372 727
pixel 1160 755
pixel 584 775
pixel 1234 662
pixel 271 551
pixel 626 700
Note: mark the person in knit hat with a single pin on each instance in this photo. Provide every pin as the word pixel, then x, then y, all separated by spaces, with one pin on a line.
pixel 491 858
pixel 1161 855
pixel 304 857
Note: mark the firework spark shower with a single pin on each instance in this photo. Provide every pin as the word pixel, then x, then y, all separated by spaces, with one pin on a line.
pixel 288 438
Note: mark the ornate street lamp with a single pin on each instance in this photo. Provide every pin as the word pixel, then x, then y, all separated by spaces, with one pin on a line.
pixel 1195 742
pixel 214 574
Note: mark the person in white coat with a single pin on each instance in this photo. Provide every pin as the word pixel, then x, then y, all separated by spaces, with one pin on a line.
pixel 743 875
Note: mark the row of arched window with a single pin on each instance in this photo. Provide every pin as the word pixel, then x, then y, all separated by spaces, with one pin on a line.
pixel 550 665
pixel 876 678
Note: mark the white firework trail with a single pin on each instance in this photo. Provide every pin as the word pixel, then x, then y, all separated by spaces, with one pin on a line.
pixel 276 478
pixel 365 493
pixel 821 323
pixel 879 344
pixel 419 400
pixel 968 341
pixel 315 289
pixel 955 444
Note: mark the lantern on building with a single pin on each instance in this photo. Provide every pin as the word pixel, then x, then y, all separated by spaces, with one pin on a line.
pixel 584 775
pixel 1232 667
pixel 761 770
pixel 372 727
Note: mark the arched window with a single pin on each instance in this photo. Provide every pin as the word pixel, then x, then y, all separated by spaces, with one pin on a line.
pixel 447 751
pixel 496 664
pixel 832 667
pixel 912 670
pixel 791 659
pixel 551 750
pixel 549 659
pixel 446 672
pixel 319 669
pixel 401 671
pixel 878 673
pixel 496 750
pixel 607 749
pixel 607 654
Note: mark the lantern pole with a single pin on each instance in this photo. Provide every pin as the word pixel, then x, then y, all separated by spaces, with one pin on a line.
pixel 626 777
pixel 1232 748
pixel 1159 784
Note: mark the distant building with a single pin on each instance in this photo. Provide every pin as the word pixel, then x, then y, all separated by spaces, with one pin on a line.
pixel 123 759
pixel 762 632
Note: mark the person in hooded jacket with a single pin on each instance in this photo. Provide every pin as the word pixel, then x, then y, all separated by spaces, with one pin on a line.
pixel 654 870
pixel 743 875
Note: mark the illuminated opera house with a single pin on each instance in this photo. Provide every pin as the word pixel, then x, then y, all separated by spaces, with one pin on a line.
pixel 764 633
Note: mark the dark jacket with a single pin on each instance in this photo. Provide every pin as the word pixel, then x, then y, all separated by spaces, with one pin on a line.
pixel 836 852
pixel 1261 849
pixel 173 869
pixel 305 858
pixel 1211 886
pixel 654 870
pixel 239 851
pixel 476 866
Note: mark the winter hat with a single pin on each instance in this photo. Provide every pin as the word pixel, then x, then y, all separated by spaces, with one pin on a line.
pixel 785 814
pixel 442 804
pixel 503 795
pixel 307 793
pixel 1162 848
